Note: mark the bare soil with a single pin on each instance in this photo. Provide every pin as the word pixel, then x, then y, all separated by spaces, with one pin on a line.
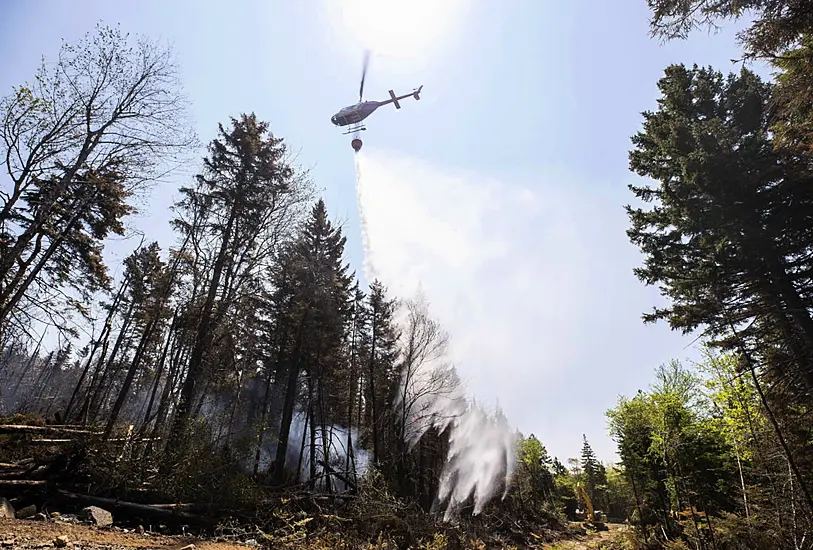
pixel 592 541
pixel 26 534
pixel 29 534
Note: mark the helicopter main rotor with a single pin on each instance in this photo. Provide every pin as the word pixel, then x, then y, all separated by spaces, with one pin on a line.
pixel 364 73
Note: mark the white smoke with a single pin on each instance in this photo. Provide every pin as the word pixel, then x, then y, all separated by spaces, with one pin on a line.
pixel 298 453
pixel 482 444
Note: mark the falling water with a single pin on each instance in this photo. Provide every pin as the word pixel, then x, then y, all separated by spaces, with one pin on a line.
pixel 481 456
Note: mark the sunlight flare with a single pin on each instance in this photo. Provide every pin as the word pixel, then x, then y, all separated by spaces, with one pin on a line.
pixel 412 29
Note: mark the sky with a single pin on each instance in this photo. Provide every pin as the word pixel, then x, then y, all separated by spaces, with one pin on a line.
pixel 500 192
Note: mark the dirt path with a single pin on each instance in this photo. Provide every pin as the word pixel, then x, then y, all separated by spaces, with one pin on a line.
pixel 27 534
pixel 591 541
pixel 18 534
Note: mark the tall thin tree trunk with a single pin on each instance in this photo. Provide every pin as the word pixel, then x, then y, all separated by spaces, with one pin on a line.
pixel 305 428
pixel 373 402
pixel 312 450
pixel 278 344
pixel 88 409
pixel 135 363
pixel 96 344
pixel 289 402
pixel 203 336
pixel 160 370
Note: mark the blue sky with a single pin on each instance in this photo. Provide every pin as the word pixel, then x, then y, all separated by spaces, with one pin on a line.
pixel 525 103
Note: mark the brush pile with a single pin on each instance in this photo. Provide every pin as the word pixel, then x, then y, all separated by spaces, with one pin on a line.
pixel 53 466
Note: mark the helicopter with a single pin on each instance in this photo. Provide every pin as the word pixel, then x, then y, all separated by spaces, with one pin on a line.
pixel 353 115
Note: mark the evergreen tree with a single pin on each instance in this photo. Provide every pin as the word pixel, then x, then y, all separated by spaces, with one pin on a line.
pixel 237 200
pixel 590 467
pixel 381 377
pixel 319 308
pixel 559 469
pixel 729 239
pixel 775 26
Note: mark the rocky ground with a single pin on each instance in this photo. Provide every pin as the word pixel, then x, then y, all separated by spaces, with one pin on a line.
pixel 92 528
pixel 28 533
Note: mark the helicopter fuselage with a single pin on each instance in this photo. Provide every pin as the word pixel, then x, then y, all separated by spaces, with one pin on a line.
pixel 353 114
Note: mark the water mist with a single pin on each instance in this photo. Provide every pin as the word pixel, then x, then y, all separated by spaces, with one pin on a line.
pixel 481 457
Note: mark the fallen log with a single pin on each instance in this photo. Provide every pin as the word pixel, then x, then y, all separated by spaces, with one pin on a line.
pixel 22 428
pixel 132 439
pixel 15 473
pixel 184 506
pixel 22 483
pixel 135 508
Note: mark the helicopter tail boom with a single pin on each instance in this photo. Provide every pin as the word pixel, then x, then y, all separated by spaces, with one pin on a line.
pixel 395 98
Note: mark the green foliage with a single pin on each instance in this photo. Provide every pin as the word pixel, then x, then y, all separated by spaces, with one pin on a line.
pixel 735 400
pixel 775 26
pixel 793 102
pixel 730 227
pixel 79 142
pixel 535 482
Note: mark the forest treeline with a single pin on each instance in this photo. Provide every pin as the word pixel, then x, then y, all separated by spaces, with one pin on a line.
pixel 247 342
pixel 245 356
pixel 237 363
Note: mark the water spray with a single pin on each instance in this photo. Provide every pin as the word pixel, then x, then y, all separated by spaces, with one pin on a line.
pixel 482 445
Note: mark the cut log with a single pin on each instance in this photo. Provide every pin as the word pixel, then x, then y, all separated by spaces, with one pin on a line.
pixel 15 428
pixel 136 508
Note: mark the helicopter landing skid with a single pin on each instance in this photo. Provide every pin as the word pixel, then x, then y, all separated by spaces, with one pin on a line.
pixel 353 130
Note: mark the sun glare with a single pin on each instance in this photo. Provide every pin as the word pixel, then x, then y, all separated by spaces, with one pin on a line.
pixel 399 29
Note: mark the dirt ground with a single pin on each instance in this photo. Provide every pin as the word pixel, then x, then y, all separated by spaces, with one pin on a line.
pixel 591 541
pixel 26 534
pixel 29 534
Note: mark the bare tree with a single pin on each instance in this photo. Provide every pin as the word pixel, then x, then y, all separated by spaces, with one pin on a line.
pixel 89 132
pixel 430 393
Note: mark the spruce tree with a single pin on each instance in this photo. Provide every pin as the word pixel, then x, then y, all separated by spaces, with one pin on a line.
pixel 590 467
pixel 235 201
pixel 381 376
pixel 319 310
pixel 729 237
